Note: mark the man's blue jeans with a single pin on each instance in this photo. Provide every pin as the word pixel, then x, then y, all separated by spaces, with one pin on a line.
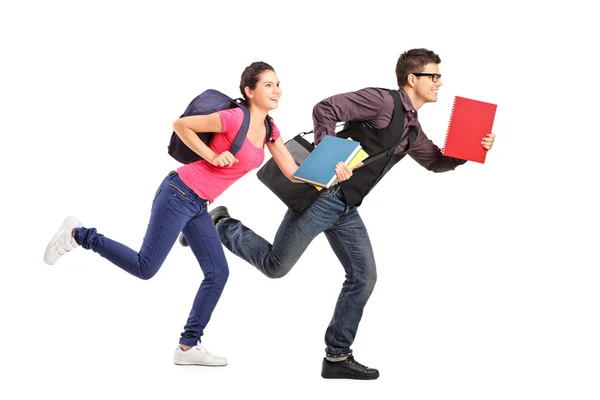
pixel 175 208
pixel 349 240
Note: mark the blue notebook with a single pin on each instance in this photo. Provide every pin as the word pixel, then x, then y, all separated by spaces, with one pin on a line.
pixel 319 167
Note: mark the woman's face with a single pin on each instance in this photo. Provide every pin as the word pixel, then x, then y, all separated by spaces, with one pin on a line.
pixel 267 92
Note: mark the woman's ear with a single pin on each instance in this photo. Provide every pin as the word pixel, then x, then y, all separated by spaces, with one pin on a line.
pixel 248 92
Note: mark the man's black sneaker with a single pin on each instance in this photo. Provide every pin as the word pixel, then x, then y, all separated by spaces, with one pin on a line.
pixel 216 214
pixel 347 369
pixel 183 240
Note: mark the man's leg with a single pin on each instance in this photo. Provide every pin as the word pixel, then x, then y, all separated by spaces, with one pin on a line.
pixel 293 236
pixel 350 242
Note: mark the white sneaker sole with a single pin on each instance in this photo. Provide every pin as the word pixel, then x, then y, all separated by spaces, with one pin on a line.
pixel 184 364
pixel 69 224
pixel 180 359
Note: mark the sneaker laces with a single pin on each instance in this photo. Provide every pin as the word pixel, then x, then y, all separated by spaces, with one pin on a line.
pixel 200 347
pixel 353 361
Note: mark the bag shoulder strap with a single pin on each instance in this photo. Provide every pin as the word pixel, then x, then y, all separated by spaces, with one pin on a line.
pixel 398 120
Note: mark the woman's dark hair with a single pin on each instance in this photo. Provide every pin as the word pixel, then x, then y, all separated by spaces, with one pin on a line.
pixel 251 76
pixel 412 61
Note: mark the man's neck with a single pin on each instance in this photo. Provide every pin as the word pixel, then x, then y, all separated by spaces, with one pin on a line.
pixel 416 103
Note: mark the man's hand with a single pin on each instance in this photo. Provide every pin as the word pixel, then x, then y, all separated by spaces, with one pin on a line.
pixel 488 141
pixel 344 172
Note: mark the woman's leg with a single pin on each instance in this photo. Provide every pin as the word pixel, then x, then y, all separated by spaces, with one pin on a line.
pixel 172 208
pixel 204 242
pixel 207 248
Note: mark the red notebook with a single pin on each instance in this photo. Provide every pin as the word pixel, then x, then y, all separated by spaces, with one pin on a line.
pixel 470 121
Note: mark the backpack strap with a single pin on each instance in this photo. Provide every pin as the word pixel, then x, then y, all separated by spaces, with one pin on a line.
pixel 238 142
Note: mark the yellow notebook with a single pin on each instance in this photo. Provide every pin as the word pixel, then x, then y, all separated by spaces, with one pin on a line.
pixel 359 157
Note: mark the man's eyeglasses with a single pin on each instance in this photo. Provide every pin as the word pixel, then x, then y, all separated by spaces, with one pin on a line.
pixel 434 77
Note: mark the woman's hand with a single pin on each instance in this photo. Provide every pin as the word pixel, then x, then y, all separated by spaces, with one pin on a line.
pixel 225 159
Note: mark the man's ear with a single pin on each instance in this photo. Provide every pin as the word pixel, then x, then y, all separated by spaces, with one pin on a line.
pixel 411 80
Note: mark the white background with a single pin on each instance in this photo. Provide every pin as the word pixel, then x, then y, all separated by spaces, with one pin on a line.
pixel 488 275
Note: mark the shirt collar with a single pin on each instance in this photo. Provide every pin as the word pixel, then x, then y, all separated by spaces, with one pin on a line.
pixel 411 113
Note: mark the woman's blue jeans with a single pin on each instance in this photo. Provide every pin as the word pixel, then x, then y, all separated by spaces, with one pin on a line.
pixel 175 208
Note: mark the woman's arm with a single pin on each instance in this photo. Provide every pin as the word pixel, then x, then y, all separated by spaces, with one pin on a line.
pixel 283 158
pixel 186 128
pixel 285 161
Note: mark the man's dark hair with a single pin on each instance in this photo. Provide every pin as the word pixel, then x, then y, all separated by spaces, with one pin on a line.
pixel 414 60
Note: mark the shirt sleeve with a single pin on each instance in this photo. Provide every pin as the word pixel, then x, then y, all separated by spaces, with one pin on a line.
pixel 231 120
pixel 428 155
pixel 363 105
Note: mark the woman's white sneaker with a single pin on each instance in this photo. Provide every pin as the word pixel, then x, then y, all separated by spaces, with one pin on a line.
pixel 62 242
pixel 198 355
